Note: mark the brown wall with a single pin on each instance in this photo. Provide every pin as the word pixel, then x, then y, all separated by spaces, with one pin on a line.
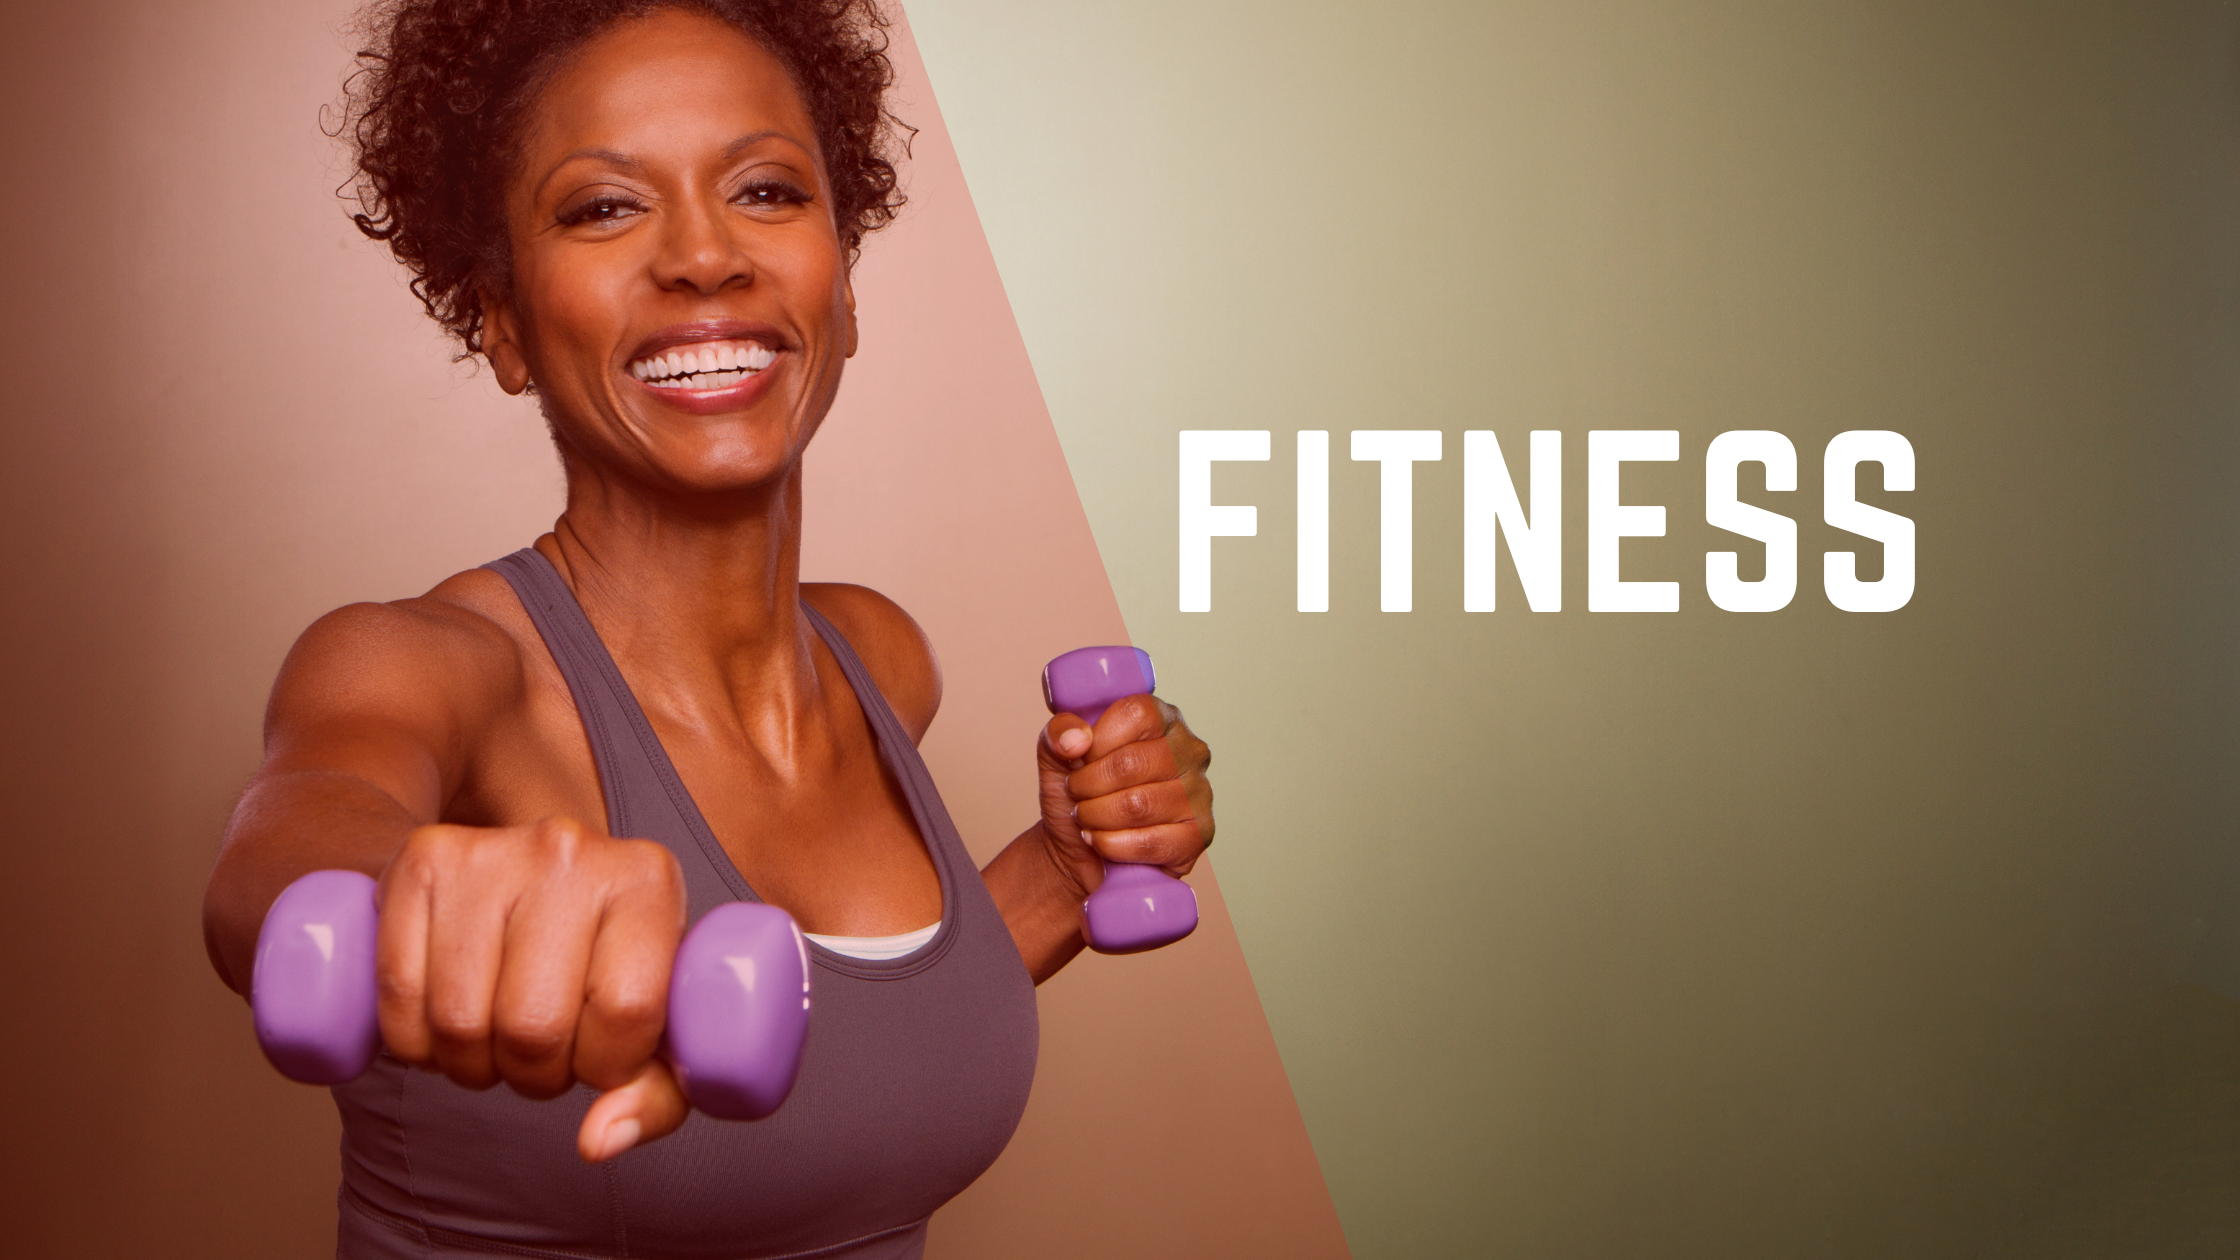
pixel 223 415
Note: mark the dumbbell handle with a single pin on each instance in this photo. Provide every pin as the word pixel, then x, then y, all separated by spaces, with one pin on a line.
pixel 1137 907
pixel 738 995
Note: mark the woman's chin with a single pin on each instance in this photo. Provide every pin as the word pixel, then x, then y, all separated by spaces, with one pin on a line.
pixel 739 471
pixel 719 451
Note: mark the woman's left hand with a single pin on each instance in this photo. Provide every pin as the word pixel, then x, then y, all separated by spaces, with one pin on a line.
pixel 1132 788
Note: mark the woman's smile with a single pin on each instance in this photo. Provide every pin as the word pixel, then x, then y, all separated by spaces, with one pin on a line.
pixel 708 368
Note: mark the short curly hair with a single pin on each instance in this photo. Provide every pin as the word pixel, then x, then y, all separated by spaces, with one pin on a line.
pixel 436 110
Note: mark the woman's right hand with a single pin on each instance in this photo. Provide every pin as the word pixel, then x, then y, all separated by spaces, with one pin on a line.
pixel 537 956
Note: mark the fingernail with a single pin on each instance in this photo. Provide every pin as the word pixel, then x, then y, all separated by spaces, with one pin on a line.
pixel 1073 741
pixel 619 1137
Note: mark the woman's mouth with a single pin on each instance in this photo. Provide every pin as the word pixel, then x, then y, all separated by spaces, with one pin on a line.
pixel 703 365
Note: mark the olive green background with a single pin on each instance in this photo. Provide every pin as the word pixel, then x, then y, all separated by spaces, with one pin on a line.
pixel 1696 934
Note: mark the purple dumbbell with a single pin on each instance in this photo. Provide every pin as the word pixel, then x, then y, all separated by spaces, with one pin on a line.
pixel 738 995
pixel 1137 907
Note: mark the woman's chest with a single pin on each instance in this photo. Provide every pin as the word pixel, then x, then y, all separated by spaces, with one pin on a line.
pixel 827 833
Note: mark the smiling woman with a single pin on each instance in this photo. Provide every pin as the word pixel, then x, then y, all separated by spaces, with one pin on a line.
pixel 646 215
pixel 447 88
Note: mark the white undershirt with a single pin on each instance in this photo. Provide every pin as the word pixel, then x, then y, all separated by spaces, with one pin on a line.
pixel 877 948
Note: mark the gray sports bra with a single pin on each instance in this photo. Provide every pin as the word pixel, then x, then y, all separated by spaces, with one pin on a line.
pixel 915 1073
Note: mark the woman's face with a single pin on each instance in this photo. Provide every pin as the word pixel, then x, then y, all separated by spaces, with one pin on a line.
pixel 680 294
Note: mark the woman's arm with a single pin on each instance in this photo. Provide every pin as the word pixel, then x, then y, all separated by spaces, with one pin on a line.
pixel 536 954
pixel 362 744
pixel 1131 789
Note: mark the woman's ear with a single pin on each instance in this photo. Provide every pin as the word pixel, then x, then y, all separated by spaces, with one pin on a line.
pixel 501 345
pixel 848 298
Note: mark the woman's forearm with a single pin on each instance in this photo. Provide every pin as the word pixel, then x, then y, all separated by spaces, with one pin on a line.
pixel 285 826
pixel 1039 893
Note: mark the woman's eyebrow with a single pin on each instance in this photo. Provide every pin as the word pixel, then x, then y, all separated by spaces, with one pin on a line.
pixel 753 138
pixel 632 166
pixel 623 161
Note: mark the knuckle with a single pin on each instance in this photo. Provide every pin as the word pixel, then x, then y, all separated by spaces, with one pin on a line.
pixel 424 850
pixel 1136 806
pixel 558 827
pixel 562 838
pixel 629 1005
pixel 533 1039
pixel 647 868
pixel 1125 762
pixel 452 1026
pixel 650 861
pixel 1143 761
pixel 1157 847
pixel 398 991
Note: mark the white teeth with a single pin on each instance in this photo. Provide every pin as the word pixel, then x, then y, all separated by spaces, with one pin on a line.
pixel 703 380
pixel 709 365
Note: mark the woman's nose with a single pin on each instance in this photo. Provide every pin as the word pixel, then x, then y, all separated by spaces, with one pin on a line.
pixel 700 251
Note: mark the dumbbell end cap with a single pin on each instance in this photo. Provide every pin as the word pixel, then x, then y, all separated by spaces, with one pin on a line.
pixel 1086 680
pixel 312 990
pixel 739 1010
pixel 1138 908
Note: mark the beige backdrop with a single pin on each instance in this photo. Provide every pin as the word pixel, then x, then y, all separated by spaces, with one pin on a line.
pixel 1805 933
pixel 224 415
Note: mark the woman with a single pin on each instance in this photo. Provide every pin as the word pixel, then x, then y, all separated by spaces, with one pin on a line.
pixel 645 214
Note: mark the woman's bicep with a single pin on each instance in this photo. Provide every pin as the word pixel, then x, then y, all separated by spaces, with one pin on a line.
pixel 365 739
pixel 383 694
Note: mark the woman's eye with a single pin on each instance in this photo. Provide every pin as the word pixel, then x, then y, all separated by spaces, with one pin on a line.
pixel 599 210
pixel 771 193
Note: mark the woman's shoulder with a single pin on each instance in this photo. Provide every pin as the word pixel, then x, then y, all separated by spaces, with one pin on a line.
pixel 456 644
pixel 891 644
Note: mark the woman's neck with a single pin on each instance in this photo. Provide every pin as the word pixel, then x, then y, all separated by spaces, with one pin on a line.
pixel 699 600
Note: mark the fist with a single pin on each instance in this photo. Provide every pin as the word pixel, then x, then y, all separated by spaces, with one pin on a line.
pixel 538 956
pixel 1132 788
